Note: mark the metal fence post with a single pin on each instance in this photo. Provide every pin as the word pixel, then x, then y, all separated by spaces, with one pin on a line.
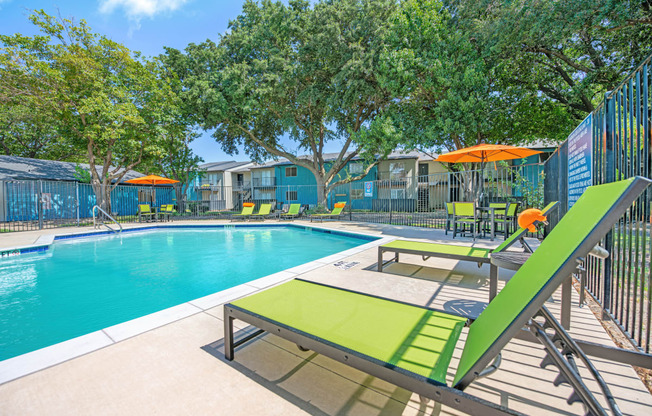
pixel 350 202
pixel 610 176
pixel 77 201
pixel 39 204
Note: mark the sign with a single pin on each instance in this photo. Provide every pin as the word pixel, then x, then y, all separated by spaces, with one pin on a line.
pixel 368 189
pixel 580 167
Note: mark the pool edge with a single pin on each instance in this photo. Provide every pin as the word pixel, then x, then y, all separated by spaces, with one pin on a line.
pixel 22 365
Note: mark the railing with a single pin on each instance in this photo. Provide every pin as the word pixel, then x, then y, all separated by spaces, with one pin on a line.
pixel 97 224
pixel 622 146
pixel 34 205
pixel 264 182
pixel 239 185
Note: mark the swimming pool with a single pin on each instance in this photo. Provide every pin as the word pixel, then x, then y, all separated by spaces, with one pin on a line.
pixel 82 285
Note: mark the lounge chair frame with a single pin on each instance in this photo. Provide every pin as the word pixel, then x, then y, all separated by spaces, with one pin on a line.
pixel 290 215
pixel 259 216
pixel 493 269
pixel 560 347
pixel 440 393
pixel 330 215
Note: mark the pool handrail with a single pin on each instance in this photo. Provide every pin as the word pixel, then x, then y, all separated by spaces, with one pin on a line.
pixel 96 225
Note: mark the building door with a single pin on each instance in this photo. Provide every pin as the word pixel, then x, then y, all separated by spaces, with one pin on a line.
pixel 423 172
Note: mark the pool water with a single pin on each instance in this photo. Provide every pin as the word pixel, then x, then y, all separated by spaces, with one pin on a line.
pixel 83 285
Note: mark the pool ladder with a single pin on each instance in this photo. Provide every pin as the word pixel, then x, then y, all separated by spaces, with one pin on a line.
pixel 97 222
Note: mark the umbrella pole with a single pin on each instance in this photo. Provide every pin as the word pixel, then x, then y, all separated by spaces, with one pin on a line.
pixel 481 185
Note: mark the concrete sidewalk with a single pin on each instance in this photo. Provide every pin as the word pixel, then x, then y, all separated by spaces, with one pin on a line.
pixel 179 368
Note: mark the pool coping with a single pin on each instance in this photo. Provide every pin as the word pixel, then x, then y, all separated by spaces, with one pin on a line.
pixel 31 362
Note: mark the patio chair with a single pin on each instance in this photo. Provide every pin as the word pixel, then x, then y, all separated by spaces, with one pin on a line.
pixel 449 216
pixel 165 212
pixel 457 252
pixel 292 213
pixel 247 211
pixel 412 346
pixel 263 212
pixel 145 213
pixel 336 212
pixel 505 219
pixel 464 213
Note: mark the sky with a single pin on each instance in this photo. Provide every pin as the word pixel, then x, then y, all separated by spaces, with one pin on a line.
pixel 141 25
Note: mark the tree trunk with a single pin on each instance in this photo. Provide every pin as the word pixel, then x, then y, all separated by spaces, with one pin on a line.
pixel 321 191
pixel 181 198
pixel 102 194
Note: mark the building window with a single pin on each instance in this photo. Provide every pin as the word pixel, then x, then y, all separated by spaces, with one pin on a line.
pixel 291 171
pixel 357 193
pixel 356 168
pixel 398 193
pixel 266 178
pixel 291 195
pixel 258 194
pixel 397 171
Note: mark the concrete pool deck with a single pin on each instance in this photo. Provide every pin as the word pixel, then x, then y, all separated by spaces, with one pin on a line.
pixel 178 368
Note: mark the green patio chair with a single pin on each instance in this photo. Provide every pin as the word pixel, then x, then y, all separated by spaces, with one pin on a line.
pixel 263 212
pixel 336 212
pixel 458 252
pixel 506 223
pixel 145 213
pixel 412 346
pixel 465 214
pixel 293 212
pixel 449 216
pixel 162 215
pixel 247 211
pixel 165 212
pixel 499 208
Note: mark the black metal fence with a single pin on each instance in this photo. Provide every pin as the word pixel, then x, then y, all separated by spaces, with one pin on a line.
pixel 34 205
pixel 416 201
pixel 622 148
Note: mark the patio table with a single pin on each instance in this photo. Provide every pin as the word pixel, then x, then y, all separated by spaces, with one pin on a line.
pixel 492 216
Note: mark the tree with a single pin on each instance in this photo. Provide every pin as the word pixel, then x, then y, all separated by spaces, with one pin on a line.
pixel 106 101
pixel 27 131
pixel 177 161
pixel 307 74
pixel 448 92
pixel 569 51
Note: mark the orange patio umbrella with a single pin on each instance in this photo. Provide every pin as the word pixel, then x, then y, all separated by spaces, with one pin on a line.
pixel 486 153
pixel 152 180
pixel 483 153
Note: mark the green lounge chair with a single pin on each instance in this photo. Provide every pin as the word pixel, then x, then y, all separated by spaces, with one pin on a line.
pixel 411 346
pixel 337 210
pixel 263 212
pixel 145 213
pixel 457 252
pixel 292 213
pixel 247 211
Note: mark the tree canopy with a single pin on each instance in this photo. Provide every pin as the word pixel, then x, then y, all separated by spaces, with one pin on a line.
pixel 570 51
pixel 102 100
pixel 307 73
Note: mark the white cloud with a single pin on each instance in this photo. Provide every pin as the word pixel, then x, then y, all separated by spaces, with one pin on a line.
pixel 137 9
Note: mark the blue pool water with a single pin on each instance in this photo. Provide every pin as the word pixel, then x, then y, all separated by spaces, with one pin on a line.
pixel 82 285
